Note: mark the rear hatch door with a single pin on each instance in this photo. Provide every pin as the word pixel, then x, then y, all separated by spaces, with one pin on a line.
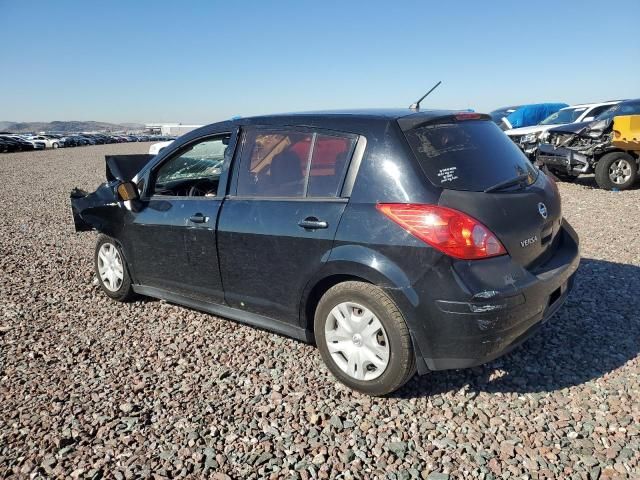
pixel 475 164
pixel 517 218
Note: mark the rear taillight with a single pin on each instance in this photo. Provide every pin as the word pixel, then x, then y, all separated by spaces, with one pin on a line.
pixel 452 232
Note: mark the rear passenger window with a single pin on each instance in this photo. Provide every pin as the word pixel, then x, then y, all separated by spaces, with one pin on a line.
pixel 282 163
pixel 274 163
pixel 328 163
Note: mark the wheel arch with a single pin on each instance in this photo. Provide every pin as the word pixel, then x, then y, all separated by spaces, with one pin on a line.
pixel 123 251
pixel 353 263
pixel 632 153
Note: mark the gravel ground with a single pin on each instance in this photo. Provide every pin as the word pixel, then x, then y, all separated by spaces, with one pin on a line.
pixel 91 388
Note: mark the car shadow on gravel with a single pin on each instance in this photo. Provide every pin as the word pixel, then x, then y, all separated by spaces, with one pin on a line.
pixel 593 334
pixel 590 181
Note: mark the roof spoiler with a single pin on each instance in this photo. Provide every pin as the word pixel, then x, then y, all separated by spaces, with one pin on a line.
pixel 412 121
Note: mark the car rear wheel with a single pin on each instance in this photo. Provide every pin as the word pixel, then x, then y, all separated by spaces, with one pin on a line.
pixel 363 338
pixel 55 145
pixel 616 170
pixel 111 270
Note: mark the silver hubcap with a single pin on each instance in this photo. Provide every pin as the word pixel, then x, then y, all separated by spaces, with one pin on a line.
pixel 357 341
pixel 620 171
pixel 110 267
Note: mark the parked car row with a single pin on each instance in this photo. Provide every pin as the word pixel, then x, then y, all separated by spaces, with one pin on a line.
pixel 599 138
pixel 15 143
pixel 11 142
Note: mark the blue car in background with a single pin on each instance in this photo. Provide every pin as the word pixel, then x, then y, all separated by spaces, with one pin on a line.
pixel 524 115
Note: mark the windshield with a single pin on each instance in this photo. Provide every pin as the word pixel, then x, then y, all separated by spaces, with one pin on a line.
pixel 468 155
pixel 631 108
pixel 608 113
pixel 566 115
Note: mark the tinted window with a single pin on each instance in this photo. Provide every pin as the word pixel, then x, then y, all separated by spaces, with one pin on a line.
pixel 274 163
pixel 193 172
pixel 328 164
pixel 467 155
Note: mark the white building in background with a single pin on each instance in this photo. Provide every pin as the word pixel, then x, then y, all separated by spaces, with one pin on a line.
pixel 173 129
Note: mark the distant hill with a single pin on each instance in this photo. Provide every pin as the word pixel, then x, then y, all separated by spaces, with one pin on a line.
pixel 67 126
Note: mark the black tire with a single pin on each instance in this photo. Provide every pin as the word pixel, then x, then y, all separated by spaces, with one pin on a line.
pixel 603 177
pixel 54 145
pixel 125 291
pixel 401 366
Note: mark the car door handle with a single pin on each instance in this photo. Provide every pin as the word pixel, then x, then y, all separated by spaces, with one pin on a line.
pixel 198 218
pixel 312 223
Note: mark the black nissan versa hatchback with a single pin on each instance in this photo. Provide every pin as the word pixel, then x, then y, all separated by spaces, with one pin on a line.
pixel 395 240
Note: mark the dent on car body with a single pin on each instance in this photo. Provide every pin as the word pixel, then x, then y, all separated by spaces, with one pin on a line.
pixel 94 211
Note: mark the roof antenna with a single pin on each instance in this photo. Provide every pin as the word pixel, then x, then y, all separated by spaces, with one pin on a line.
pixel 416 106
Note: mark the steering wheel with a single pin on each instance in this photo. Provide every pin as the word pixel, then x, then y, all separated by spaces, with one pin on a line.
pixel 203 188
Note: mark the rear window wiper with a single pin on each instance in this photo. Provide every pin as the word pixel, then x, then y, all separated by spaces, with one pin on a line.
pixel 519 180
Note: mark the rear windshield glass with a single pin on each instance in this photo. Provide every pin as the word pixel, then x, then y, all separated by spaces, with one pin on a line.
pixel 467 155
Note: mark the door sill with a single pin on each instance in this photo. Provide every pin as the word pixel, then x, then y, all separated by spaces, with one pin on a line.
pixel 253 319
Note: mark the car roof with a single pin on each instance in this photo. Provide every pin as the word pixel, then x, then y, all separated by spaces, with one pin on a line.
pixel 385 114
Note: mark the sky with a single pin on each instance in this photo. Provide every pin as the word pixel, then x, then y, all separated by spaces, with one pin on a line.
pixel 205 61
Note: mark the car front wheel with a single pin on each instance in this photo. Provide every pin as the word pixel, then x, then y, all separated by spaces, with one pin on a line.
pixel 111 270
pixel 616 170
pixel 363 338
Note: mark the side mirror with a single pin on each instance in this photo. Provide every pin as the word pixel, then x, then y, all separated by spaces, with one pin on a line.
pixel 588 119
pixel 127 191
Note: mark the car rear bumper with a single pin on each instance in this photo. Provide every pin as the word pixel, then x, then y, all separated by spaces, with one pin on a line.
pixel 562 159
pixel 500 305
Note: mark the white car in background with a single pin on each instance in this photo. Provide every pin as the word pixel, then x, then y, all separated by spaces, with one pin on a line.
pixel 156 148
pixel 48 141
pixel 528 138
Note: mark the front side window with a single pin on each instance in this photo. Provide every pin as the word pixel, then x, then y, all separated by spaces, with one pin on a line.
pixel 194 172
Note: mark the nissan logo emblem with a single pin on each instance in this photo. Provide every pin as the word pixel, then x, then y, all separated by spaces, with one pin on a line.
pixel 542 209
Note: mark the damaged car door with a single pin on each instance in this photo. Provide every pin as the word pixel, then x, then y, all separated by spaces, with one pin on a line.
pixel 173 235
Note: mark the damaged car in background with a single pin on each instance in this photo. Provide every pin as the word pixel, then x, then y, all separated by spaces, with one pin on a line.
pixel 607 147
pixel 528 138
